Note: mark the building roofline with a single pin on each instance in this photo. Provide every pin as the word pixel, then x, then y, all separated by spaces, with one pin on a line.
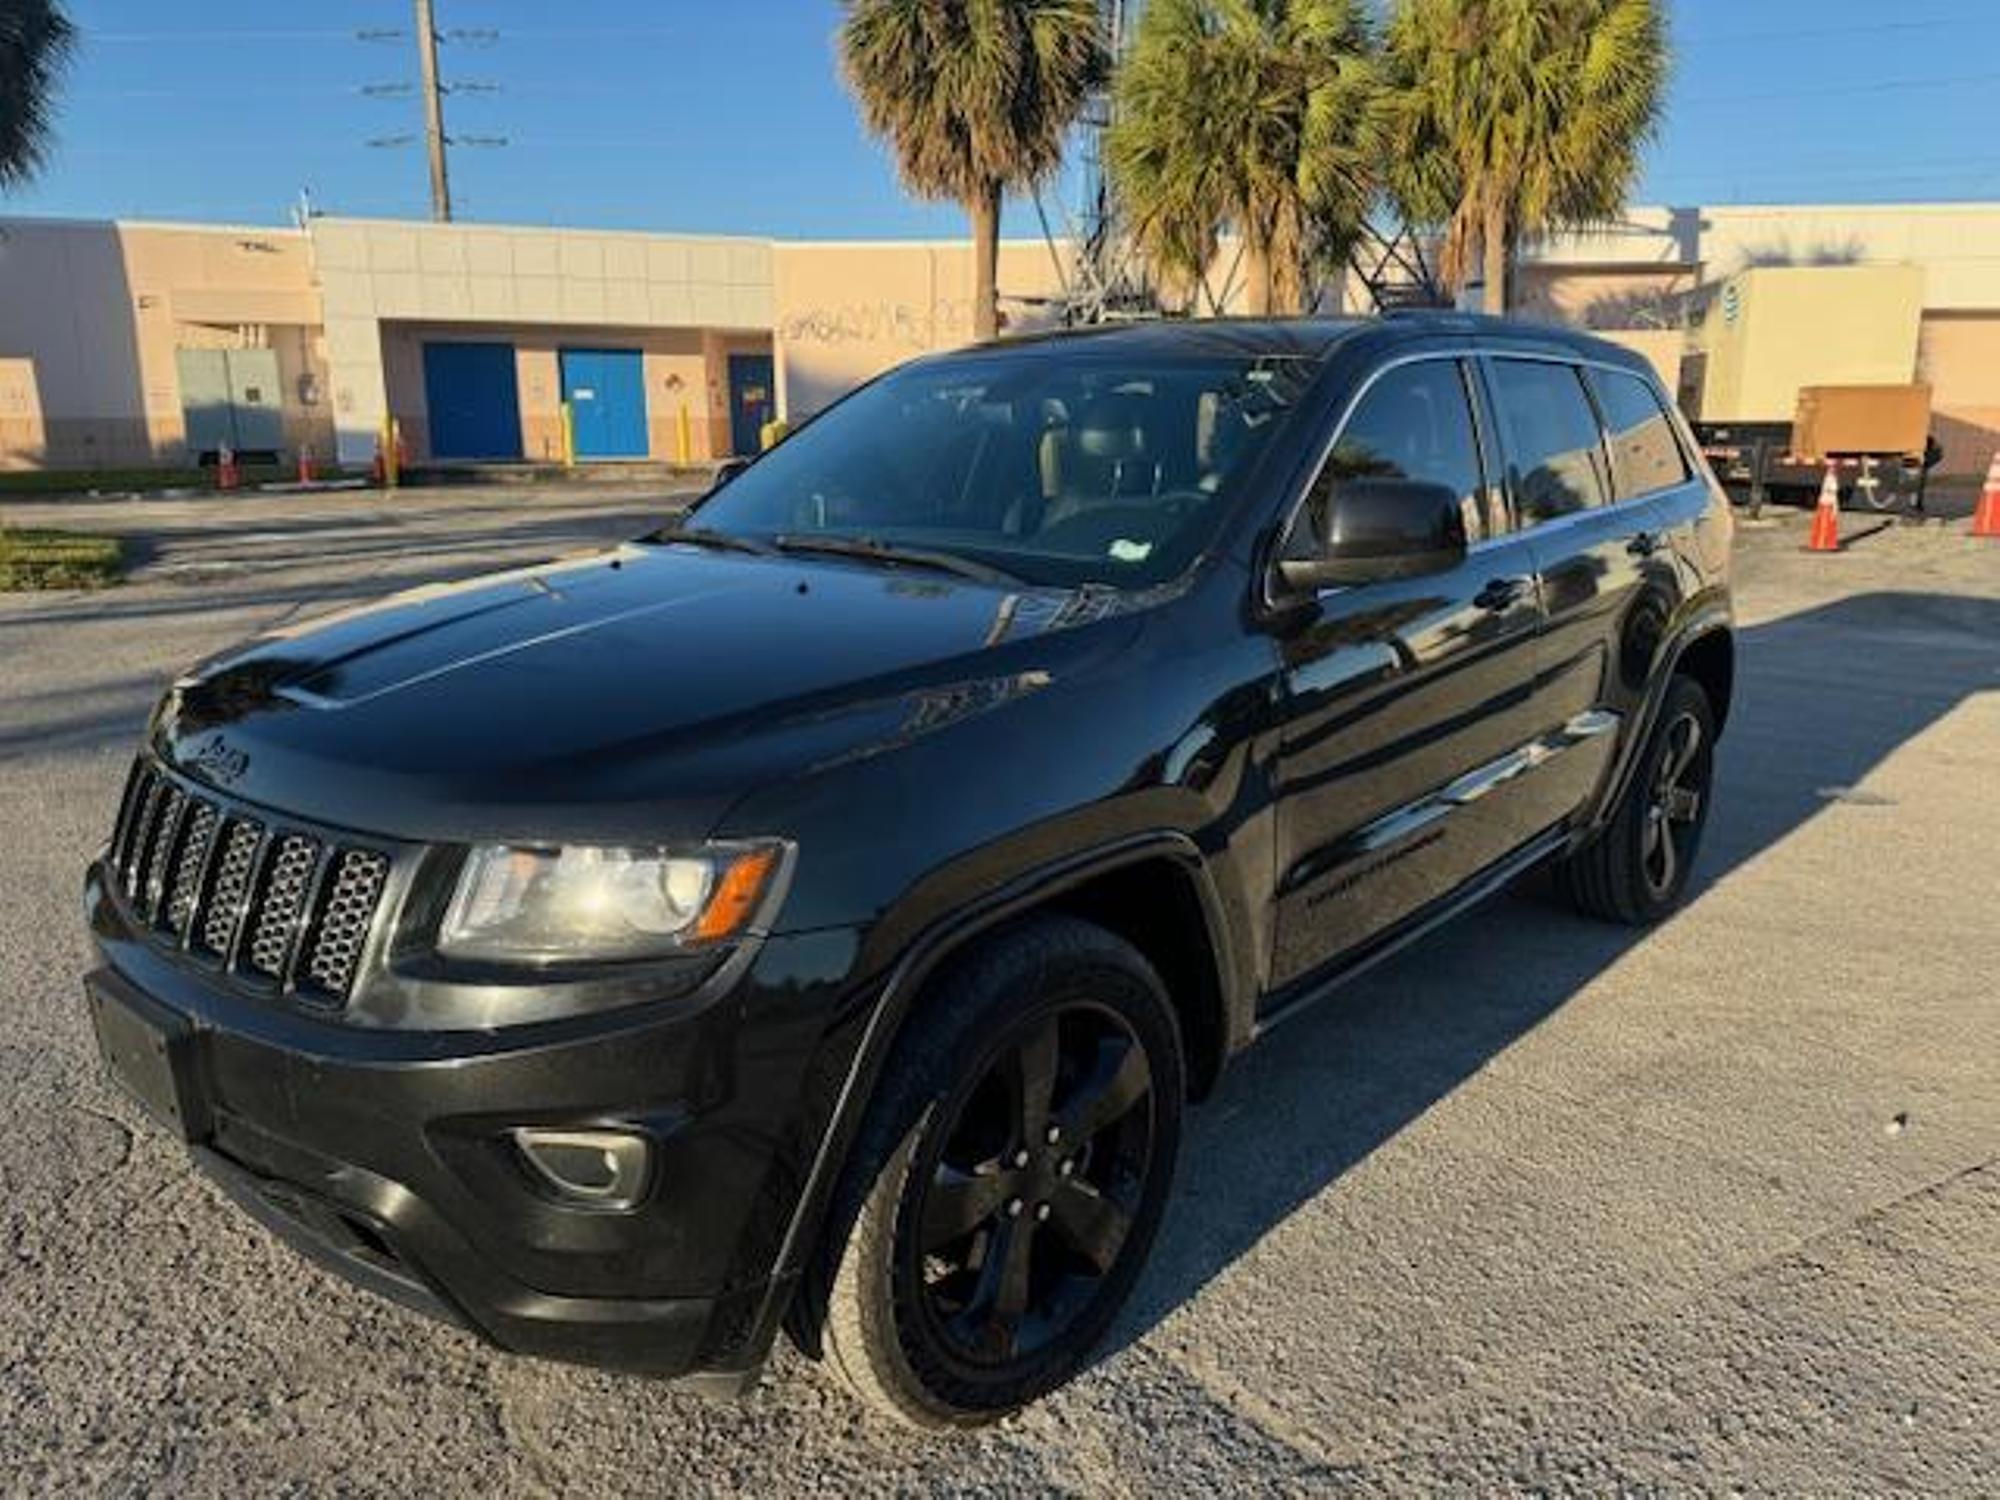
pixel 185 226
pixel 462 226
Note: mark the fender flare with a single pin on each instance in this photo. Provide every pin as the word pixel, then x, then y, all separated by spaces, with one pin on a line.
pixel 897 996
pixel 1712 619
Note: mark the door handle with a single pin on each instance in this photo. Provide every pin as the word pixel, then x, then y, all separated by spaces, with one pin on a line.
pixel 1500 593
pixel 1644 544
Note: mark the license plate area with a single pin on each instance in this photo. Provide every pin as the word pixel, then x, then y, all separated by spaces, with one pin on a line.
pixel 149 1052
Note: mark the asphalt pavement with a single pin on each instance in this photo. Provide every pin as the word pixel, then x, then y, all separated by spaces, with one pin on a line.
pixel 1543 1205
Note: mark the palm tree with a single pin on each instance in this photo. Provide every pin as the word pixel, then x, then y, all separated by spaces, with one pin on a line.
pixel 36 40
pixel 975 97
pixel 1251 113
pixel 1506 119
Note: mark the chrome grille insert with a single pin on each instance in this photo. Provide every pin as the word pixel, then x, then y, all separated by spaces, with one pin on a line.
pixel 160 850
pixel 229 897
pixel 192 858
pixel 344 920
pixel 287 884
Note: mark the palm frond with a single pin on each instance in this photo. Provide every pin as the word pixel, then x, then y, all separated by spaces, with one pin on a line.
pixel 1535 109
pixel 36 43
pixel 1252 114
pixel 970 94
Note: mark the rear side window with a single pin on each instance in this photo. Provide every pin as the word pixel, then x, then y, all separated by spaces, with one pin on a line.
pixel 1414 423
pixel 1644 455
pixel 1555 453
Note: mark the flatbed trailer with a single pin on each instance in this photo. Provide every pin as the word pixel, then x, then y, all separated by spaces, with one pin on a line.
pixel 1874 439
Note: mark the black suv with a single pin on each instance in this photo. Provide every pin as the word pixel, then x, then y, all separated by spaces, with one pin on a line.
pixel 818 914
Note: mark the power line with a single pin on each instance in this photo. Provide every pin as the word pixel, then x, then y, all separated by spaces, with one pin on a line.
pixel 267 34
pixel 1797 33
pixel 1840 90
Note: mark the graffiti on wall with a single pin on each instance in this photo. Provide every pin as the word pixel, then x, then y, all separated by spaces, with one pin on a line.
pixel 882 322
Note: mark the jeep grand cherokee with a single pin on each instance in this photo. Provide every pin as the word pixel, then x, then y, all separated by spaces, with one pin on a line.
pixel 817 914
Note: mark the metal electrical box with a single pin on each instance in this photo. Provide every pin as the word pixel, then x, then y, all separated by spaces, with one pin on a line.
pixel 231 398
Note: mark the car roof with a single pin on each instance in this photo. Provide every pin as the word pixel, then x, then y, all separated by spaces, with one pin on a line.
pixel 1304 338
pixel 1307 338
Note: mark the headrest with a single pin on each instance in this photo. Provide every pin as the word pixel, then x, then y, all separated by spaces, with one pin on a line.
pixel 1111 429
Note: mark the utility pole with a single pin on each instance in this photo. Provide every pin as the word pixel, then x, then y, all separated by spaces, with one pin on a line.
pixel 434 142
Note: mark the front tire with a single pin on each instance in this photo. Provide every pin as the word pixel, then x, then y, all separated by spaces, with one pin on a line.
pixel 1636 870
pixel 1010 1179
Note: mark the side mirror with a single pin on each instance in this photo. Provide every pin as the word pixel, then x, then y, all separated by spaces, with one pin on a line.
pixel 1379 529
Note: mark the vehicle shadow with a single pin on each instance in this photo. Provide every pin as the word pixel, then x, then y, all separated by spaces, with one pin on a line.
pixel 1822 697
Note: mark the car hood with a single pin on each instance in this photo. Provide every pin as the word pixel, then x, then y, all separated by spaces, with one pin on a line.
pixel 631 694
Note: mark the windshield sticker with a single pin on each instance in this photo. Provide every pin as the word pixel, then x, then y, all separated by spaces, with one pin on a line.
pixel 1132 552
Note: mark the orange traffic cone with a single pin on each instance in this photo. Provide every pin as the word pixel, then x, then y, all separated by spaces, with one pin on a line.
pixel 1986 519
pixel 305 464
pixel 378 472
pixel 1825 533
pixel 227 476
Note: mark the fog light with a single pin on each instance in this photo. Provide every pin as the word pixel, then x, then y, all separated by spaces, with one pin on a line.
pixel 591 1168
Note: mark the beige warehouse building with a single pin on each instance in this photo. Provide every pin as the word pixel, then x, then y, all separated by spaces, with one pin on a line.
pixel 129 344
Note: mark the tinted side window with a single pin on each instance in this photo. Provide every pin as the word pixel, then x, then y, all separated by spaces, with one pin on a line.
pixel 1555 455
pixel 1414 423
pixel 1644 455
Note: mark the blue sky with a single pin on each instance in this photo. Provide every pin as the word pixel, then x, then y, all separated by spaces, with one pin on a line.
pixel 728 115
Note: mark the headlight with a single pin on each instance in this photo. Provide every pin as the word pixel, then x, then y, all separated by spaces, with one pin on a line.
pixel 523 905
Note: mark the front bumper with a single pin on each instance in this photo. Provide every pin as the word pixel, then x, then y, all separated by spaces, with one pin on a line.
pixel 388 1156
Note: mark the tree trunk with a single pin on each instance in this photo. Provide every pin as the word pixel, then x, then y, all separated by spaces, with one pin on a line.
pixel 1493 246
pixel 1256 277
pixel 985 211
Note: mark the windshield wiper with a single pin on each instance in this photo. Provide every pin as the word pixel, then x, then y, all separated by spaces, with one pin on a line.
pixel 869 549
pixel 701 536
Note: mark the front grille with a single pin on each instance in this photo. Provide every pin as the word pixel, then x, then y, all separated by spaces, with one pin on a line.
pixel 289 907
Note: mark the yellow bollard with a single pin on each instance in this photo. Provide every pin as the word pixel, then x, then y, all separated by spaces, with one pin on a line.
pixel 568 436
pixel 683 436
pixel 773 432
pixel 392 452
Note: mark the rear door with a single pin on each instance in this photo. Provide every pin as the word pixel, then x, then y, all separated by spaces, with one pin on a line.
pixel 1403 697
pixel 1589 517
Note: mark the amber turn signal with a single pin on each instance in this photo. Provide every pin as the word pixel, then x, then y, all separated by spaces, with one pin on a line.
pixel 735 900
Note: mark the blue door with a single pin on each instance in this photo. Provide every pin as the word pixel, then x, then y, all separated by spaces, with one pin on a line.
pixel 606 392
pixel 474 407
pixel 753 401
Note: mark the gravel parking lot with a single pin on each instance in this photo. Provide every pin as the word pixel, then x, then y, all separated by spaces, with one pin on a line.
pixel 1542 1205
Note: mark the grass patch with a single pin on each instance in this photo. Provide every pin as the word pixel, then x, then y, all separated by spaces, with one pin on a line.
pixel 57 560
pixel 82 481
pixel 27 483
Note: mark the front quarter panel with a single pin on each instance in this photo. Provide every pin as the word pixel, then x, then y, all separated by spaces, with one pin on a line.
pixel 1030 769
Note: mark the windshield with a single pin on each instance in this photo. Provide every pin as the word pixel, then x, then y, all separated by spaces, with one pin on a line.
pixel 1054 472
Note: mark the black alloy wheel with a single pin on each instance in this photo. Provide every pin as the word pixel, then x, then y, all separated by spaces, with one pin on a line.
pixel 1028 1192
pixel 1010 1179
pixel 1674 809
pixel 1637 868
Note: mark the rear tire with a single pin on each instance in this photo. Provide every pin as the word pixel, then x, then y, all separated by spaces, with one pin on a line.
pixel 1010 1178
pixel 1636 870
